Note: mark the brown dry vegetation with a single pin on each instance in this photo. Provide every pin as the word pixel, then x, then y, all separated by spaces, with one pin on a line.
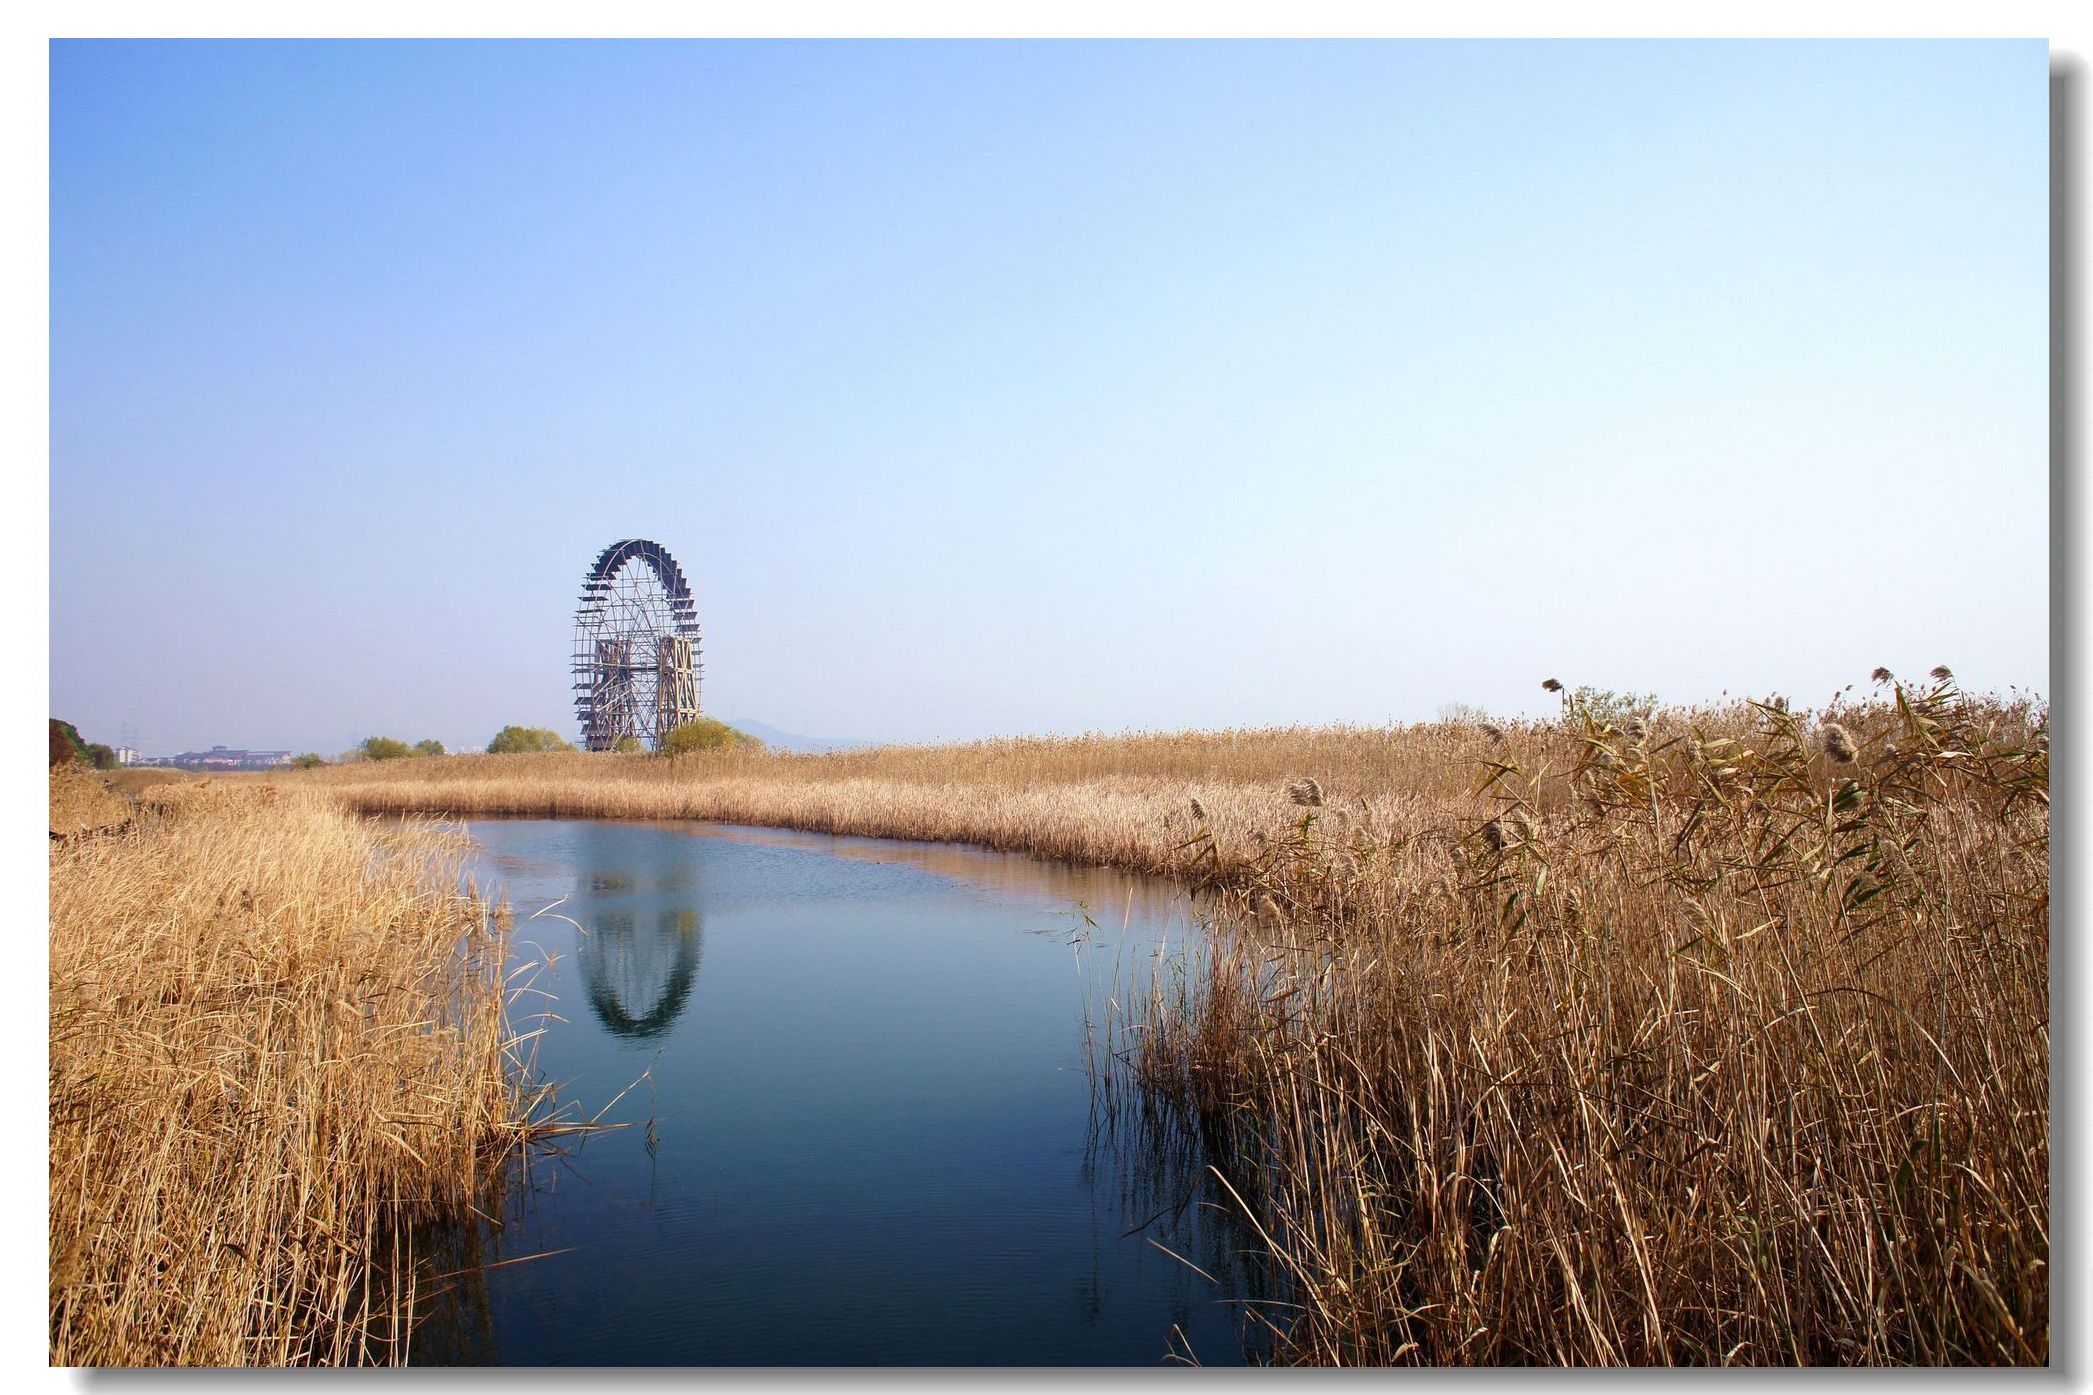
pixel 1717 1036
pixel 137 779
pixel 82 802
pixel 1116 801
pixel 1719 1039
pixel 277 1049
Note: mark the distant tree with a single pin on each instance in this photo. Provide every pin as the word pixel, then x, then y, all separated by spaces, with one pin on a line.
pixel 626 745
pixel 385 748
pixel 430 747
pixel 1604 705
pixel 705 734
pixel 1463 714
pixel 66 745
pixel 311 760
pixel 511 741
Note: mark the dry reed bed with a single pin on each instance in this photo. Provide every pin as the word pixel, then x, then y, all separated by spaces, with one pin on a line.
pixel 277 1049
pixel 1120 801
pixel 82 803
pixel 1705 1041
pixel 1699 1036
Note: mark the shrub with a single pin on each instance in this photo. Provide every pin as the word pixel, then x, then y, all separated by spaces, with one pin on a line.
pixel 385 748
pixel 626 745
pixel 311 760
pixel 66 744
pixel 430 747
pixel 1608 708
pixel 705 734
pixel 524 740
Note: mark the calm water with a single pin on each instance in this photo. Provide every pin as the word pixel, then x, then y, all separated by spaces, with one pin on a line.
pixel 873 1139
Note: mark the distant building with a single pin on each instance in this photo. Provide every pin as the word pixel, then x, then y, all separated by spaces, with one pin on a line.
pixel 126 756
pixel 226 758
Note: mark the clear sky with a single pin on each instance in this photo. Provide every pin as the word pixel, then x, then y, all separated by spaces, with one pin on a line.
pixel 995 388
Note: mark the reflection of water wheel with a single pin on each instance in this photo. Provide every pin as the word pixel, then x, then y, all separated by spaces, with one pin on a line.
pixel 635 647
pixel 638 982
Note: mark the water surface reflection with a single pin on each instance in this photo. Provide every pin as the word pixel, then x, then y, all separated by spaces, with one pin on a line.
pixel 639 979
pixel 862 1131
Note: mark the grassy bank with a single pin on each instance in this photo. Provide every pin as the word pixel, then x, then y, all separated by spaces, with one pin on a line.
pixel 271 1062
pixel 1118 801
pixel 1701 1036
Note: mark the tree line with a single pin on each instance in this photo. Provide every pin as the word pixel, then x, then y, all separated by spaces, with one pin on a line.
pixel 68 745
pixel 697 735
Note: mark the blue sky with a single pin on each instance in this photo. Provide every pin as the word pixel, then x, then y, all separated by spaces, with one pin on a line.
pixel 992 388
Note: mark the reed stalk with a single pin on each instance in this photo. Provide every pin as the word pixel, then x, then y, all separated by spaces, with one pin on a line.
pixel 279 1062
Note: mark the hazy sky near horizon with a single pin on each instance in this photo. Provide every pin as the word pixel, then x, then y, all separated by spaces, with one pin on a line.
pixel 1004 387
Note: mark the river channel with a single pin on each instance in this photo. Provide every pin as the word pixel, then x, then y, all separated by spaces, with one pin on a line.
pixel 859 1125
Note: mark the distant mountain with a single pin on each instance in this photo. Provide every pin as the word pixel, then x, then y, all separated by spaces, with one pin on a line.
pixel 793 741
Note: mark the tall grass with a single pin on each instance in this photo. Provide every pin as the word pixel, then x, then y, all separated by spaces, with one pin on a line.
pixel 1120 801
pixel 1721 1038
pixel 277 1052
pixel 1696 1036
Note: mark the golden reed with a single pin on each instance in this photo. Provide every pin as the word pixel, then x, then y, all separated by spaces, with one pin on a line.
pixel 1687 1036
pixel 277 1050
